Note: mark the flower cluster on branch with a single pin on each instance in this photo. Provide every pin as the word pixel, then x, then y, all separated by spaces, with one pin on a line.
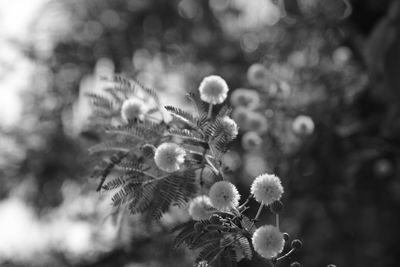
pixel 151 163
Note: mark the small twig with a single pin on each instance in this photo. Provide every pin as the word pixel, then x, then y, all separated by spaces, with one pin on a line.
pixel 257 215
pixel 245 202
pixel 286 255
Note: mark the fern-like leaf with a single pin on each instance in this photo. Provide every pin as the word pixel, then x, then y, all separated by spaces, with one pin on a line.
pixel 145 131
pixel 183 116
pixel 155 196
pixel 186 134
pixel 106 166
pixel 244 245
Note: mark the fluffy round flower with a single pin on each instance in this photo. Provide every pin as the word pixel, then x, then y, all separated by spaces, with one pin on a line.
pixel 266 188
pixel 241 115
pixel 251 141
pixel 229 127
pixel 257 74
pixel 224 195
pixel 280 90
pixel 169 157
pixel 200 208
pixel 213 90
pixel 303 125
pixel 133 108
pixel 245 98
pixel 257 123
pixel 268 241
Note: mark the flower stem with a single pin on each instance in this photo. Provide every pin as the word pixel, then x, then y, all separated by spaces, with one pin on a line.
pixel 244 203
pixel 203 166
pixel 210 108
pixel 259 212
pixel 257 215
pixel 277 220
pixel 286 255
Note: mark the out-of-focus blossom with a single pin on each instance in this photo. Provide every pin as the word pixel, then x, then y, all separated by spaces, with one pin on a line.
pixel 257 75
pixel 133 108
pixel 169 157
pixel 200 208
pixel 303 125
pixel 251 141
pixel 257 122
pixel 232 160
pixel 280 90
pixel 341 55
pixel 245 98
pixel 229 127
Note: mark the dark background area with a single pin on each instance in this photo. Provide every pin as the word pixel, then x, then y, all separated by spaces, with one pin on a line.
pixel 341 59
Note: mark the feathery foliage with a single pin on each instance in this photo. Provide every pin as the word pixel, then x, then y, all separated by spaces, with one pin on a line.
pixel 150 164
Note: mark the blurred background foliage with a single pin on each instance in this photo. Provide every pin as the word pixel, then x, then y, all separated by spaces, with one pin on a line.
pixel 335 61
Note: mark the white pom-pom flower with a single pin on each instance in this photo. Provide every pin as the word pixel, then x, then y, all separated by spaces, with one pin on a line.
pixel 224 196
pixel 268 241
pixel 251 141
pixel 266 188
pixel 213 90
pixel 133 108
pixel 257 74
pixel 200 208
pixel 245 98
pixel 229 127
pixel 303 125
pixel 169 157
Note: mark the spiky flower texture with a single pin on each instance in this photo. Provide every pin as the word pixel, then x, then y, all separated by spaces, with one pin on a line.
pixel 200 208
pixel 224 196
pixel 266 188
pixel 213 90
pixel 268 241
pixel 169 157
pixel 133 108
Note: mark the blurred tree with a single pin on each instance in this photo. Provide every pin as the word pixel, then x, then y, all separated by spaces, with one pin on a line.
pixel 342 182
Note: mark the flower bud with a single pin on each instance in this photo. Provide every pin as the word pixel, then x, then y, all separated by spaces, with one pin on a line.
pixel 215 219
pixel 148 150
pixel 297 244
pixel 286 236
pixel 295 264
